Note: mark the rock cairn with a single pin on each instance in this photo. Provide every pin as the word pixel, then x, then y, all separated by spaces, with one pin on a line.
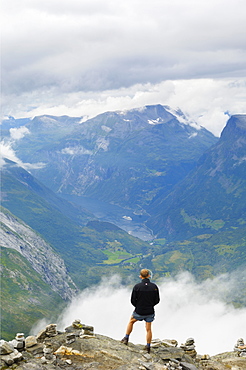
pixel 19 341
pixel 77 348
pixel 8 353
pixel 189 347
pixel 48 356
pixel 240 348
pixel 174 365
pixel 40 345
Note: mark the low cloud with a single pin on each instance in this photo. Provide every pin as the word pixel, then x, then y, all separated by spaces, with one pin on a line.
pixel 87 57
pixel 18 133
pixel 77 150
pixel 6 151
pixel 187 309
pixel 97 46
pixel 208 102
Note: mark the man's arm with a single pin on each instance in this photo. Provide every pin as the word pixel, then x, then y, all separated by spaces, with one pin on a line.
pixel 134 298
pixel 157 295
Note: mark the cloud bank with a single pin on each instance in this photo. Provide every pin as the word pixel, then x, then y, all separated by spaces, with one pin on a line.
pixel 86 57
pixel 206 101
pixel 7 152
pixel 94 46
pixel 187 309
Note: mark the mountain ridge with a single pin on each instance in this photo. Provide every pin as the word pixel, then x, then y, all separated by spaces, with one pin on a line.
pixel 217 186
pixel 123 158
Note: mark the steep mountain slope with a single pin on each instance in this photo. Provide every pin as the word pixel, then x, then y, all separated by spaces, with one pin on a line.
pixel 36 277
pixel 126 158
pixel 17 235
pixel 34 280
pixel 212 197
pixel 89 248
pixel 25 297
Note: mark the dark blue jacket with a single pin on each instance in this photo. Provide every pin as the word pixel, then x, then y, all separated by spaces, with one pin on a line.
pixel 145 296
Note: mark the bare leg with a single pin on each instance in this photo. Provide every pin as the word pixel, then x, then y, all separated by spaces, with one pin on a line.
pixel 148 332
pixel 130 325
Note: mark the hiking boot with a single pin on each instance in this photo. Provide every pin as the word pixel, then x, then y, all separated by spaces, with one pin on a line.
pixel 147 349
pixel 124 341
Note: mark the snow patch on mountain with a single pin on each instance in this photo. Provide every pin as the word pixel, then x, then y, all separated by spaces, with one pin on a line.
pixel 182 118
pixel 155 121
pixel 193 135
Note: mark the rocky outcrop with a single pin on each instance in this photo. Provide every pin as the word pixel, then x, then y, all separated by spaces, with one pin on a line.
pixel 15 234
pixel 79 348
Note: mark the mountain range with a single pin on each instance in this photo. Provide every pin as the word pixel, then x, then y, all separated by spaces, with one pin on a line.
pixel 216 186
pixel 82 187
pixel 125 158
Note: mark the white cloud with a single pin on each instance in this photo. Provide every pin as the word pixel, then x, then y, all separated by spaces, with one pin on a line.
pixel 204 101
pixel 18 133
pixel 6 151
pixel 72 56
pixel 187 309
pixel 77 150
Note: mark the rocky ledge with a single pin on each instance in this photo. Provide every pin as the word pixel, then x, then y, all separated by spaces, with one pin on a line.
pixel 79 348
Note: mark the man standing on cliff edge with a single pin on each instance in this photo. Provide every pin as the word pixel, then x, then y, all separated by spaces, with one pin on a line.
pixel 145 296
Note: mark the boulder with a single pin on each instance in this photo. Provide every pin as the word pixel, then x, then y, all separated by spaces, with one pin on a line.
pixel 5 347
pixel 20 337
pixel 30 341
pixel 12 357
pixel 36 349
pixel 18 344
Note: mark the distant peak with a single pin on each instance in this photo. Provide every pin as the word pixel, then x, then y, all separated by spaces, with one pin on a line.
pixel 236 126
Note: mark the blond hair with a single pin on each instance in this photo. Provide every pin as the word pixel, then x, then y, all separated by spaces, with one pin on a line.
pixel 144 273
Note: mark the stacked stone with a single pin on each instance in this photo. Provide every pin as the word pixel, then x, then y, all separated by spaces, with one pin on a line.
pixel 48 353
pixel 174 365
pixel 205 360
pixel 79 329
pixel 75 328
pixel 87 330
pixel 70 338
pixel 32 346
pixel 9 354
pixel 240 348
pixel 77 324
pixel 189 347
pixel 51 330
pixel 19 341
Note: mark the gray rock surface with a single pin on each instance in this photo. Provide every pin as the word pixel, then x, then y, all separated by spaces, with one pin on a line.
pixel 55 351
pixel 15 234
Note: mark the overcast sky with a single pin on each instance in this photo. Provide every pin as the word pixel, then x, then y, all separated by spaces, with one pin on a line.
pixel 83 57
